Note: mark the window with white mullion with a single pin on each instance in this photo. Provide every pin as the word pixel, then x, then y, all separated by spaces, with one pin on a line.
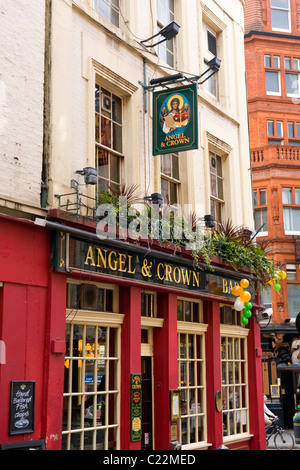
pixel 280 15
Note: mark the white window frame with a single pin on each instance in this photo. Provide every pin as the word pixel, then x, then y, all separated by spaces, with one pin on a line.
pixel 235 333
pixel 211 85
pixel 191 330
pixel 86 318
pixel 282 9
pixel 293 95
pixel 274 93
pixel 163 49
pixel 110 7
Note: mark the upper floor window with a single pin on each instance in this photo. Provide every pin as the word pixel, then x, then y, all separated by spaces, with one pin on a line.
pixel 211 85
pixel 165 15
pixel 189 311
pixel 108 137
pixel 280 15
pixel 272 76
pixel 294 133
pixel 110 9
pixel 235 400
pixel 260 213
pixel 291 209
pixel 170 182
pixel 216 186
pixel 275 132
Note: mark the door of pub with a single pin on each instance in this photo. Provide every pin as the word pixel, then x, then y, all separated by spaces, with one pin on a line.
pixel 147 434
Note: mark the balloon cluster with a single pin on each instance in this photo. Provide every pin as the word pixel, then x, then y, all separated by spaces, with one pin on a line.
pixel 242 302
pixel 275 281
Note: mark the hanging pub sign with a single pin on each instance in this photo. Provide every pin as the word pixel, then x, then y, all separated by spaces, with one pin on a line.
pixel 175 119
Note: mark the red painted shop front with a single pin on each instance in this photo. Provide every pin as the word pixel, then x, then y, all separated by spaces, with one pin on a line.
pixel 125 348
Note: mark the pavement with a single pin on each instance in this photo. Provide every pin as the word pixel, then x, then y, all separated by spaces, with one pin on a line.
pixel 271 445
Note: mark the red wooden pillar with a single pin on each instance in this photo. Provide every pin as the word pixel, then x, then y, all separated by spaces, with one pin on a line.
pixel 256 401
pixel 130 306
pixel 165 369
pixel 213 372
pixel 54 361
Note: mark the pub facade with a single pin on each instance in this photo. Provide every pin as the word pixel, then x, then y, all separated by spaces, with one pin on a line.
pixel 115 342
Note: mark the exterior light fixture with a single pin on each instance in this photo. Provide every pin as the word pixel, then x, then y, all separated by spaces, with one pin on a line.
pixel 213 67
pixel 90 174
pixel 209 221
pixel 168 32
pixel 157 81
pixel 156 198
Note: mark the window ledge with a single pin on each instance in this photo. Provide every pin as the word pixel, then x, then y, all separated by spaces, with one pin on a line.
pixel 196 446
pixel 237 438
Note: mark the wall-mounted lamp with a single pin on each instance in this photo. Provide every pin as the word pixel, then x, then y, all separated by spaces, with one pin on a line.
pixel 168 32
pixel 156 198
pixel 90 175
pixel 209 221
pixel 213 67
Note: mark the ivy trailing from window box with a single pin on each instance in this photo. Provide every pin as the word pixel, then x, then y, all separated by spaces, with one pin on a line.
pixel 231 244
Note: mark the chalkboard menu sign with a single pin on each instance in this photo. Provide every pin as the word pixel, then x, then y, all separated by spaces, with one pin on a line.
pixel 21 407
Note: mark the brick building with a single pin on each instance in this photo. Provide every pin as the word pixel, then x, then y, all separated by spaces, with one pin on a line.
pixel 272 51
pixel 90 322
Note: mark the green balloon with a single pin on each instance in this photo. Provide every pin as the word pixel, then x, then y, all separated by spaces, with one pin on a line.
pixel 277 287
pixel 248 305
pixel 244 320
pixel 247 313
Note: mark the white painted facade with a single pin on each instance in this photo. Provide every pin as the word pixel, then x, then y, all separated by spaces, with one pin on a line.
pixel 22 39
pixel 85 47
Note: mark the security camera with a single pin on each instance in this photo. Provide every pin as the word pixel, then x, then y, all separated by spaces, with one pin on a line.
pixel 265 314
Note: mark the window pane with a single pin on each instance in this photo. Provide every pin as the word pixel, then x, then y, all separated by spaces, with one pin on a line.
pixel 175 167
pixel 270 125
pixel 287 219
pixel 280 3
pixel 287 62
pixel 267 61
pixel 298 129
pixel 212 43
pixel 117 109
pixel 290 129
pixel 292 85
pixel 294 299
pixel 105 132
pixel 265 219
pixel 272 82
pixel 173 193
pixel 286 196
pixel 263 197
pixel 280 19
pixel 276 62
pixel 297 196
pixel 254 198
pixel 103 166
pixel 291 274
pixel 296 219
pixel 117 138
pixel 296 64
pixel 279 129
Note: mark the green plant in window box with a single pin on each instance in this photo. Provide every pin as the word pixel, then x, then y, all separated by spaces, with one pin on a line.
pixel 231 244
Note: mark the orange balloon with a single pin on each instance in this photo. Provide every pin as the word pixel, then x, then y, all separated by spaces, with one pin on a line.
pixel 237 290
pixel 245 296
pixel 244 283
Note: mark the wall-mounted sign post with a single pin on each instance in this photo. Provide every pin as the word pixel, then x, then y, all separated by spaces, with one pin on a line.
pixel 136 407
pixel 175 119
